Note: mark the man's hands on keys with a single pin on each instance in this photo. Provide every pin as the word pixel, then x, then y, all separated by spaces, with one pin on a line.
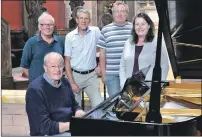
pixel 79 113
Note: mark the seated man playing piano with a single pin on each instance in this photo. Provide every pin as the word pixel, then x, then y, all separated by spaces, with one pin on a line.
pixel 50 102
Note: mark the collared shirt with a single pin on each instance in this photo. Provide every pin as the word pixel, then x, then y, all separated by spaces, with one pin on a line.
pixel 48 79
pixel 82 49
pixel 40 38
pixel 34 51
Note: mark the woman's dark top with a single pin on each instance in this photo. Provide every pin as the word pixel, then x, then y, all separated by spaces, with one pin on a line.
pixel 138 50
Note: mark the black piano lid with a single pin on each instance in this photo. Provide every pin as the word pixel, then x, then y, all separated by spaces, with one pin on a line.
pixel 101 127
pixel 183 37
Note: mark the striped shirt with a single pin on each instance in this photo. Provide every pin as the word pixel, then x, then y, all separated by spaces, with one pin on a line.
pixel 113 38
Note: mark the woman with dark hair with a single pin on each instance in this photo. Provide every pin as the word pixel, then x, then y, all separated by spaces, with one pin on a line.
pixel 140 50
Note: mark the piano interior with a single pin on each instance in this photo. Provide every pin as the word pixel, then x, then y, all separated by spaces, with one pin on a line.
pixel 180 107
pixel 132 104
pixel 176 105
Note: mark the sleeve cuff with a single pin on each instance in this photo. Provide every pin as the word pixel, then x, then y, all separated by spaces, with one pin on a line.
pixel 101 46
pixel 57 131
pixel 24 66
pixel 78 108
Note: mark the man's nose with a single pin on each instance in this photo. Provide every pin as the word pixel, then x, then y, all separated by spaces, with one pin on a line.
pixel 119 14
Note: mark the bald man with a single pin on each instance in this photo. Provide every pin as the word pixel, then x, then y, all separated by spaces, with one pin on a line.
pixel 50 102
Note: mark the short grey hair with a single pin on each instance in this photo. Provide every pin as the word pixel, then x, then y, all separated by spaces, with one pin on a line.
pixel 52 54
pixel 117 3
pixel 45 15
pixel 79 11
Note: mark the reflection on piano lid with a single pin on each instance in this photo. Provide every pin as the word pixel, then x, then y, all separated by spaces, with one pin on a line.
pixel 183 37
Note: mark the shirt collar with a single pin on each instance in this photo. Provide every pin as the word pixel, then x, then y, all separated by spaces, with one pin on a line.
pixel 126 23
pixel 77 32
pixel 48 79
pixel 39 38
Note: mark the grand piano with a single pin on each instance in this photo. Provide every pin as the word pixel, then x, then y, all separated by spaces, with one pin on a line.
pixel 166 107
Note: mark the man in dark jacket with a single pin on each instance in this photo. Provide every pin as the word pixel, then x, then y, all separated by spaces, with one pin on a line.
pixel 50 102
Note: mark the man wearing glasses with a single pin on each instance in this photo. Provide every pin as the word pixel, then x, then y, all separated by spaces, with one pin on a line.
pixel 80 58
pixel 39 45
pixel 111 44
pixel 50 102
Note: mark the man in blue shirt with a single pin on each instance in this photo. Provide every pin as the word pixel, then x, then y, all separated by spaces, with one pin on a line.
pixel 39 45
pixel 50 102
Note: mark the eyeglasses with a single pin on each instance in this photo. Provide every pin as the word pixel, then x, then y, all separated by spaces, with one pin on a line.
pixel 53 67
pixel 121 12
pixel 48 25
pixel 82 18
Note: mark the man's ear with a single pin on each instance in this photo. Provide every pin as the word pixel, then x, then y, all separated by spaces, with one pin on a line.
pixel 77 21
pixel 45 68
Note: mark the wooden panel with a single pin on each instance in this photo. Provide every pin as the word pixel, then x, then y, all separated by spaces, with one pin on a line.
pixel 174 112
pixel 182 92
pixel 186 85
pixel 7 82
pixel 195 100
pixel 6 68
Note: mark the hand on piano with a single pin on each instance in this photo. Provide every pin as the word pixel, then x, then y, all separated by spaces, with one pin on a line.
pixel 79 113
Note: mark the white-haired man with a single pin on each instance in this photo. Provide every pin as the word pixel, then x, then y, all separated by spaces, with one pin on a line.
pixel 50 102
pixel 39 45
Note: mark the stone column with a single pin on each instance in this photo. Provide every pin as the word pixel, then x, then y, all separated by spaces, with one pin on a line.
pixel 131 10
pixel 92 8
pixel 67 13
pixel 6 64
pixel 94 13
pixel 25 17
pixel 100 11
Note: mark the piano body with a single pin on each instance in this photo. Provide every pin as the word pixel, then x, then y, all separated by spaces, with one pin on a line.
pixel 125 113
pixel 106 120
